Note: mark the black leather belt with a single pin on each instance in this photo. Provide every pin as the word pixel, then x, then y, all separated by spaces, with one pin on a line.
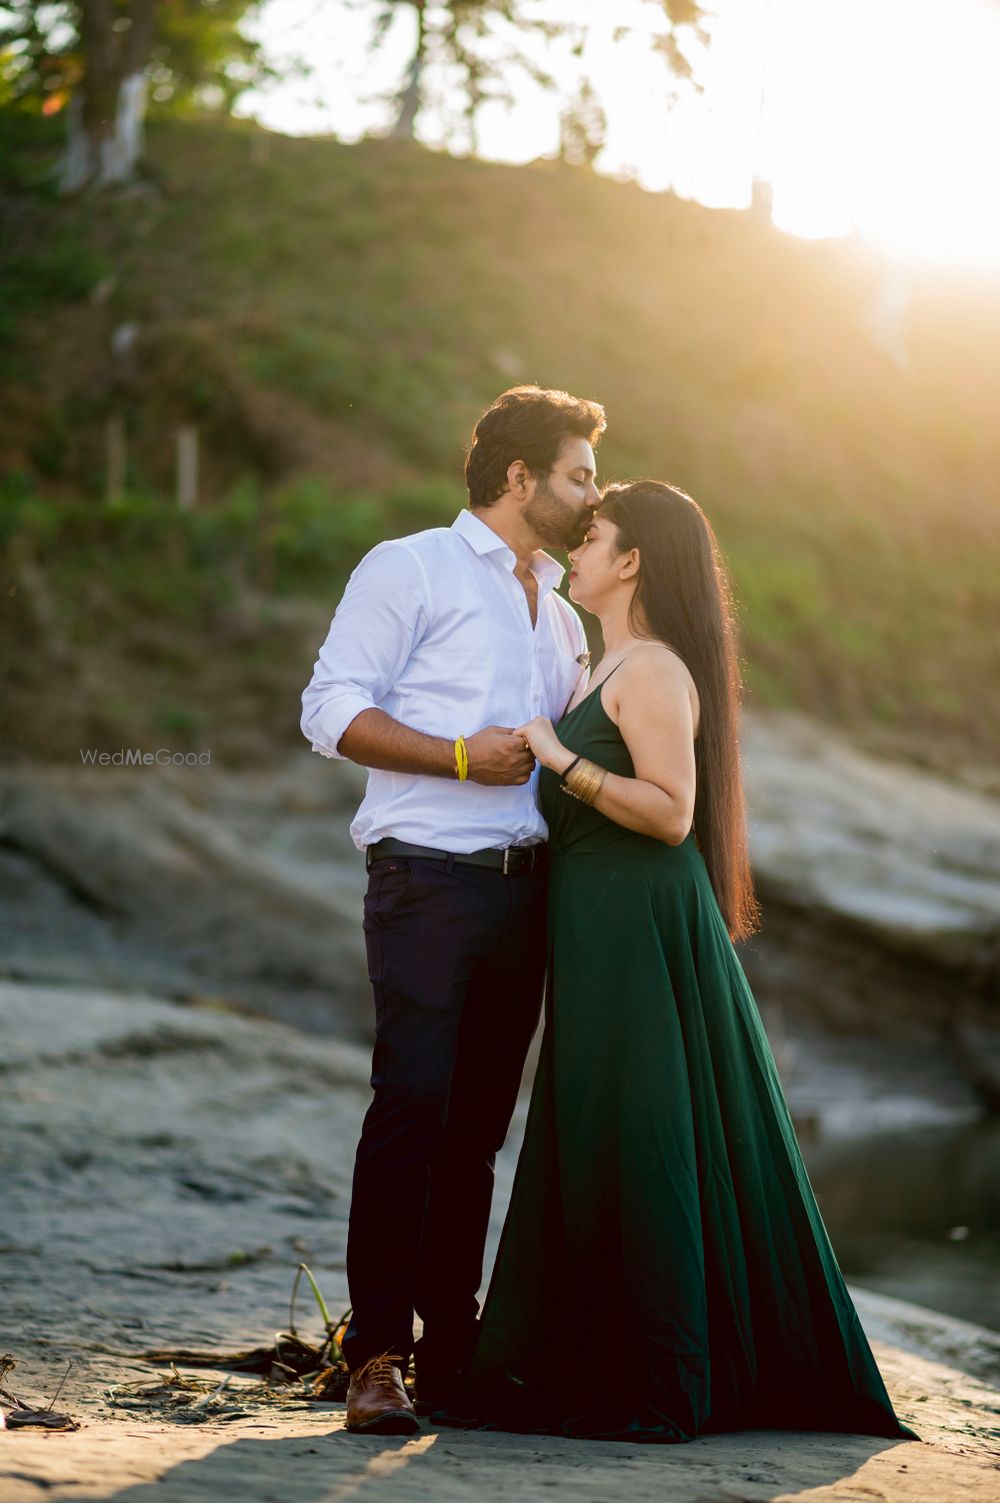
pixel 515 858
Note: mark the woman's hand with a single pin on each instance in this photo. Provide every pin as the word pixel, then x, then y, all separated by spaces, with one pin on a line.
pixel 540 735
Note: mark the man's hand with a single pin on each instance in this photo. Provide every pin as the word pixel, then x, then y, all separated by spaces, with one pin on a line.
pixel 498 755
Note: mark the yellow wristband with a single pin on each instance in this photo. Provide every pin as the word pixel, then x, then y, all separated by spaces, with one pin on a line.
pixel 461 759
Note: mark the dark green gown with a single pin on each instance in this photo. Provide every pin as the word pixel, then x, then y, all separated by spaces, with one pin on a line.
pixel 664 1270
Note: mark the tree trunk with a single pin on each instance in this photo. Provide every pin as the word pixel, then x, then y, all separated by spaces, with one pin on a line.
pixel 474 97
pixel 105 115
pixel 412 96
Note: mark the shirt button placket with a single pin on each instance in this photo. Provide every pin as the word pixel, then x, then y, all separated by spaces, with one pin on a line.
pixel 536 679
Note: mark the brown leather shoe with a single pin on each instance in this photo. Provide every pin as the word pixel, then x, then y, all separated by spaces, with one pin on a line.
pixel 377 1402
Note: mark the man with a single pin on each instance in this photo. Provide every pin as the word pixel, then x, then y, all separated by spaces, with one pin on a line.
pixel 443 642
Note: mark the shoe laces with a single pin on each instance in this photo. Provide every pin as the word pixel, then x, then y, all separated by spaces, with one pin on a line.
pixel 379 1369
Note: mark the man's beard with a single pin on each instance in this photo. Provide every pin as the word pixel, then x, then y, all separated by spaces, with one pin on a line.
pixel 556 522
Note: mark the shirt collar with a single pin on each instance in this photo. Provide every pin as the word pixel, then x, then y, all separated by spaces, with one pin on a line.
pixel 483 539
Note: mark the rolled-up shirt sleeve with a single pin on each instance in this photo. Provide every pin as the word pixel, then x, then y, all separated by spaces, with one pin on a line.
pixel 378 622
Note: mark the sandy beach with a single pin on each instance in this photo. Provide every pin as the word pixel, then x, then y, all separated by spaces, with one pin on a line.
pixel 167 1167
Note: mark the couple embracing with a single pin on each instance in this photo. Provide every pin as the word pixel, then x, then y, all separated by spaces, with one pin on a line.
pixel 531 829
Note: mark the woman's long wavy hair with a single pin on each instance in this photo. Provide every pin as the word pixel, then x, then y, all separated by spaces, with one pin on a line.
pixel 683 597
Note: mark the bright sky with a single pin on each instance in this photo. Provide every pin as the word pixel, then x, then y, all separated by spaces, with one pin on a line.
pixel 879 115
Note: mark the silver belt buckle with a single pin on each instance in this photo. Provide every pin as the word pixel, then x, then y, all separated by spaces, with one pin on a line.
pixel 506 856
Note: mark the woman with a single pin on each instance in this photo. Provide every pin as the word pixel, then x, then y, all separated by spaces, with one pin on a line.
pixel 664 1270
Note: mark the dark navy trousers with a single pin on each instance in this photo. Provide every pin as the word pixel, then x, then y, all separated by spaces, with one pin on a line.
pixel 456 958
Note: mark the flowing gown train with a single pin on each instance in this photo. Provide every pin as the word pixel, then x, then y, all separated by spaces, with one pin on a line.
pixel 664 1269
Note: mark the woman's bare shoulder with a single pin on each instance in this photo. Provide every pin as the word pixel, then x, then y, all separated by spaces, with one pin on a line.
pixel 648 668
pixel 652 662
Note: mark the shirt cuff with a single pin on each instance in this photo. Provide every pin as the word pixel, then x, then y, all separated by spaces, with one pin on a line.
pixel 325 725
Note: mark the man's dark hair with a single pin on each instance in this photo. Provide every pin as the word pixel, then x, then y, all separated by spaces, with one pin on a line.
pixel 529 424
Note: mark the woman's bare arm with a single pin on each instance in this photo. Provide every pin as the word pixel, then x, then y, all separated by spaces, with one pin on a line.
pixel 654 703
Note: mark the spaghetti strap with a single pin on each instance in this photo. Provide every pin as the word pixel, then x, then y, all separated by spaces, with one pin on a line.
pixel 596 689
pixel 592 693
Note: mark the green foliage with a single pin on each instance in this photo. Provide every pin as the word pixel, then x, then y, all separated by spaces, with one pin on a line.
pixel 29 143
pixel 64 273
pixel 47 256
pixel 183 723
pixel 24 513
pixel 480 45
pixel 430 503
pixel 203 58
pixel 318 536
pixel 200 56
pixel 307 533
pixel 336 318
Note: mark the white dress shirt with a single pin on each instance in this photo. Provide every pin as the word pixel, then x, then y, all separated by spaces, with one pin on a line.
pixel 435 630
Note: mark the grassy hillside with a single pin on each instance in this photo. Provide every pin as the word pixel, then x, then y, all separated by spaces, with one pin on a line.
pixel 333 318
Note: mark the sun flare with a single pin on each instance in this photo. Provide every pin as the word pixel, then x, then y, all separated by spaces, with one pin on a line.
pixel 877 116
pixel 884 116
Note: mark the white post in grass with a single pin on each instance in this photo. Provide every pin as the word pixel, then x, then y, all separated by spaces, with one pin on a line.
pixel 187 467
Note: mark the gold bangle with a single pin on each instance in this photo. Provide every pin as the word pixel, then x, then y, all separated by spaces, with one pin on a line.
pixel 461 759
pixel 584 781
pixel 597 776
pixel 585 790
